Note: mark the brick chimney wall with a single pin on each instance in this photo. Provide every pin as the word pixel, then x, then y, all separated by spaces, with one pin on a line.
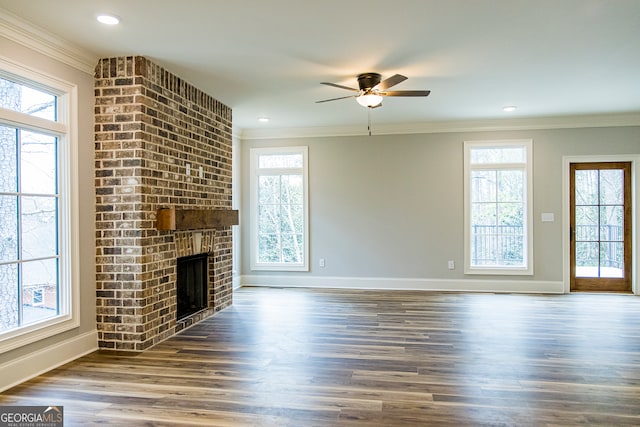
pixel 150 128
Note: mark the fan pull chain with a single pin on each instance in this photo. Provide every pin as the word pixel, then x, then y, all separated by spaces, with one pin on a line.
pixel 369 120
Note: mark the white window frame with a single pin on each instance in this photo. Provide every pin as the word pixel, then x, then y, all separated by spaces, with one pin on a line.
pixel 66 130
pixel 527 144
pixel 255 154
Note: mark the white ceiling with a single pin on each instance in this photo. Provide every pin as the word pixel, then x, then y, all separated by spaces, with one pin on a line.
pixel 550 58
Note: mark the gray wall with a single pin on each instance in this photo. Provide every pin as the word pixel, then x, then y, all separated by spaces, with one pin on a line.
pixel 391 206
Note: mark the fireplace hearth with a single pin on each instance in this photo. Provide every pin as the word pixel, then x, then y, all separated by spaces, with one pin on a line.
pixel 191 285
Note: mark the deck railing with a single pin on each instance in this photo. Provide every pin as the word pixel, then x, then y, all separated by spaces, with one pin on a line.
pixel 610 251
pixel 497 245
pixel 503 245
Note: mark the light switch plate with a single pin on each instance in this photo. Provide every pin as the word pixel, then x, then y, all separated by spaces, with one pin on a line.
pixel 547 217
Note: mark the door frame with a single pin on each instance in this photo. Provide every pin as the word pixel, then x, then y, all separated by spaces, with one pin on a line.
pixel 635 214
pixel 599 283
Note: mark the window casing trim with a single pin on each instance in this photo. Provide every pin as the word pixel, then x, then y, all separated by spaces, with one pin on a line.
pixel 527 166
pixel 255 154
pixel 66 130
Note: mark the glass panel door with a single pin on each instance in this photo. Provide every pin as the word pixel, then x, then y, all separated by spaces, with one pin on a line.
pixel 600 226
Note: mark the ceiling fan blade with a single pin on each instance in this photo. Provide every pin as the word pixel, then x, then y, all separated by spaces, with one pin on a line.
pixel 335 99
pixel 405 93
pixel 391 81
pixel 339 86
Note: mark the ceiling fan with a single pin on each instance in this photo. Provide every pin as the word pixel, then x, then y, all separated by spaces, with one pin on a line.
pixel 373 88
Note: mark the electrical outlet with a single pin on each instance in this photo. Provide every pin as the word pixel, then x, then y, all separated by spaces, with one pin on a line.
pixel 451 265
pixel 321 262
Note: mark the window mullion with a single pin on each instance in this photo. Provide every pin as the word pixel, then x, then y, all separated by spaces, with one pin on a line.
pixel 19 243
pixel 276 172
pixel 498 166
pixel 26 121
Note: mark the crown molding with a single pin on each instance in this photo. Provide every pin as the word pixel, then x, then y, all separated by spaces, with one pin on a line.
pixel 488 125
pixel 22 32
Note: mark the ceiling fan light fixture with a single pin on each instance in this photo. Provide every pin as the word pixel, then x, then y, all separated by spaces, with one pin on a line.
pixel 369 100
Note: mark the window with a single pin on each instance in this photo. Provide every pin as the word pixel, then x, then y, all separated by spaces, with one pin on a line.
pixel 279 206
pixel 37 237
pixel 497 207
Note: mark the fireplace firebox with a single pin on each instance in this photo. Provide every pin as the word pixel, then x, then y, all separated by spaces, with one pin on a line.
pixel 192 286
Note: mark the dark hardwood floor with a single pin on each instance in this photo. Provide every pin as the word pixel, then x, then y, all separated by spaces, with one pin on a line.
pixel 295 357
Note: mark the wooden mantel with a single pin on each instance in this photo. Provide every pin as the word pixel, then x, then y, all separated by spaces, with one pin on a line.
pixel 195 219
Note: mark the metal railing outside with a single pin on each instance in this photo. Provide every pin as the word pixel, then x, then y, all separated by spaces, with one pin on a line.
pixel 497 245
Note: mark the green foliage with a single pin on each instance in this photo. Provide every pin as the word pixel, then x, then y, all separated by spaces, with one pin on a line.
pixel 497 217
pixel 280 218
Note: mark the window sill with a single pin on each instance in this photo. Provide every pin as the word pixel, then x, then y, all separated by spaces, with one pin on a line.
pixel 29 334
pixel 499 271
pixel 279 267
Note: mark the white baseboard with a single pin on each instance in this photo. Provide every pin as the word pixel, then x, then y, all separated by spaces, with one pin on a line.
pixel 31 365
pixel 466 285
pixel 237 281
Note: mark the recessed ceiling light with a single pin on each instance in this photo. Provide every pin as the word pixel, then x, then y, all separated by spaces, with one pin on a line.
pixel 263 119
pixel 509 108
pixel 108 19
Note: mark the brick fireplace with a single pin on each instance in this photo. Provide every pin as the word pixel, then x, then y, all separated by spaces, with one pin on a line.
pixel 159 143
